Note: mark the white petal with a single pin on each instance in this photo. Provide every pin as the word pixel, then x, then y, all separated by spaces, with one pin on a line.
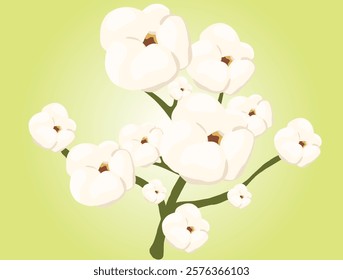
pixel 174 220
pixel 240 71
pixel 128 133
pixel 264 111
pixel 121 165
pixel 247 52
pixel 256 125
pixel 177 135
pixel 189 211
pixel 202 163
pixel 160 197
pixel 315 140
pixel 64 138
pixel 66 124
pixel 145 155
pixel 154 15
pixel 239 103
pixel 149 194
pixel 301 125
pixel 120 23
pixel 237 147
pixel 290 151
pixel 56 110
pixel 41 119
pixel 154 137
pixel 286 135
pixel 44 136
pixel 106 149
pixel 91 188
pixel 202 109
pixel 206 67
pixel 210 74
pixel 310 153
pixel 173 35
pixel 83 155
pixel 179 237
pixel 220 33
pixel 198 238
pixel 245 202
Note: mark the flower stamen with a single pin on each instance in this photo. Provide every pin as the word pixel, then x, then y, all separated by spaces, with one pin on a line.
pixel 150 39
pixel 227 60
pixel 144 140
pixel 190 229
pixel 252 112
pixel 215 137
pixel 302 143
pixel 104 167
pixel 57 128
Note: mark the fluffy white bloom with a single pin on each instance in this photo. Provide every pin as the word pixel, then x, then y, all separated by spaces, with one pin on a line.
pixel 239 196
pixel 297 143
pixel 221 63
pixel 154 192
pixel 255 110
pixel 51 128
pixel 204 143
pixel 144 49
pixel 142 142
pixel 179 88
pixel 99 174
pixel 185 229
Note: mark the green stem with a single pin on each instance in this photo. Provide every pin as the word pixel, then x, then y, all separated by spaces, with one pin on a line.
pixel 140 181
pixel 157 247
pixel 65 152
pixel 163 165
pixel 166 108
pixel 220 98
pixel 175 193
pixel 223 196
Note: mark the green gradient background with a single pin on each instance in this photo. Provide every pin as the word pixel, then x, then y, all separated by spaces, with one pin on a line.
pixel 50 52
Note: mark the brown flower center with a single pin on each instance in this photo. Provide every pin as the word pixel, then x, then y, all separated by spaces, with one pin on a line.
pixel 190 229
pixel 150 39
pixel 144 140
pixel 227 60
pixel 182 89
pixel 104 167
pixel 302 143
pixel 241 196
pixel 156 192
pixel 252 112
pixel 57 128
pixel 215 137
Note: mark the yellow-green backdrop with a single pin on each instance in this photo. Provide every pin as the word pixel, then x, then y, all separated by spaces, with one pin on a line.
pixel 50 52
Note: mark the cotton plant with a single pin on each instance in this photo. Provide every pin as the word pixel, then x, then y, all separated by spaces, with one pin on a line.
pixel 204 142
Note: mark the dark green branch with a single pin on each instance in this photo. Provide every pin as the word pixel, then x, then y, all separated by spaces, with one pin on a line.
pixel 141 182
pixel 163 165
pixel 175 193
pixel 220 98
pixel 65 152
pixel 223 196
pixel 157 247
pixel 166 108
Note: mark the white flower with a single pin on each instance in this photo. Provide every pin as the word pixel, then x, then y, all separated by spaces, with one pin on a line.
pixel 142 142
pixel 204 143
pixel 144 49
pixel 297 143
pixel 221 63
pixel 179 88
pixel 255 110
pixel 99 174
pixel 185 229
pixel 51 128
pixel 154 192
pixel 239 196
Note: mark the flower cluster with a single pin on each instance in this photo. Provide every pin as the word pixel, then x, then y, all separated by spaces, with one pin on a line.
pixel 204 142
